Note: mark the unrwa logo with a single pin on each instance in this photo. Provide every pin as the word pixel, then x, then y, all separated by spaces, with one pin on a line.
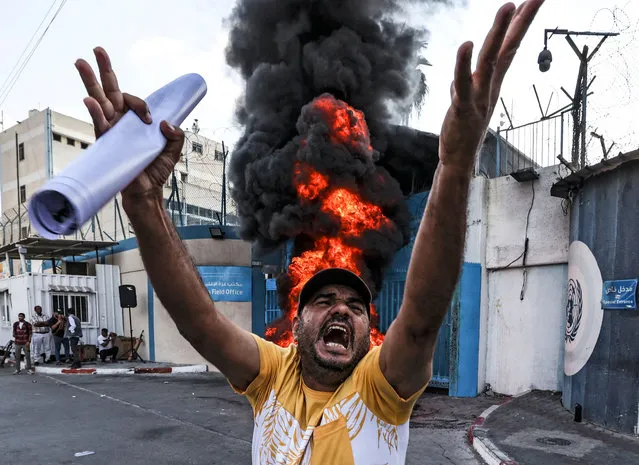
pixel 574 310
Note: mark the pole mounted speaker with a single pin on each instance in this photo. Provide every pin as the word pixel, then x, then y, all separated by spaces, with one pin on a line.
pixel 128 299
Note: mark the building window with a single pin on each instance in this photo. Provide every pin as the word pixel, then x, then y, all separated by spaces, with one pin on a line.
pixel 5 309
pixel 197 147
pixel 57 137
pixel 84 145
pixel 24 233
pixel 80 303
pixel 23 194
pixel 70 141
pixel 21 151
pixel 219 155
pixel 59 303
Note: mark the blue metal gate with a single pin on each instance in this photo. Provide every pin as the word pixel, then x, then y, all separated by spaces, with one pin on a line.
pixel 272 311
pixel 390 298
pixel 388 304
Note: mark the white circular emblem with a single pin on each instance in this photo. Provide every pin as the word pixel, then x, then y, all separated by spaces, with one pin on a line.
pixel 584 314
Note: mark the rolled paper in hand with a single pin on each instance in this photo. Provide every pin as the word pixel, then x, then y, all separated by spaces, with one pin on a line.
pixel 83 188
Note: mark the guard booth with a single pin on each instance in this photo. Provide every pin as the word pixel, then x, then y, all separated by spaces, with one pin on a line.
pixel 91 289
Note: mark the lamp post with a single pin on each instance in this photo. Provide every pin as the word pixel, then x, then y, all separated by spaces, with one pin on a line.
pixel 580 99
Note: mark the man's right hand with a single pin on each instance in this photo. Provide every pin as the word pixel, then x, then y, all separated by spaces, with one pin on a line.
pixel 107 104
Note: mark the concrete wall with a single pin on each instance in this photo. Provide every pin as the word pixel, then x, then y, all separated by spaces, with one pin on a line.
pixel 521 333
pixel 548 229
pixel 163 341
pixel 525 337
pixel 132 272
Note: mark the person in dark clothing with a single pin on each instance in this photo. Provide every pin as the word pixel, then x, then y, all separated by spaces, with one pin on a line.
pixel 58 327
pixel 22 332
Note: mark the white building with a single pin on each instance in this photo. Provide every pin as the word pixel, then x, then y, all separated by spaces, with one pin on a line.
pixel 42 145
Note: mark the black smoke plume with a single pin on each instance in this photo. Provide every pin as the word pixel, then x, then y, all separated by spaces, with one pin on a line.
pixel 291 52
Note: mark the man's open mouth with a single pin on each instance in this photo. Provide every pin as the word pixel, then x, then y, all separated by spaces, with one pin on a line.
pixel 337 335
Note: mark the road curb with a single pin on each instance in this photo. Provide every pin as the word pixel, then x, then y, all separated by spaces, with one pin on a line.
pixel 487 450
pixel 123 371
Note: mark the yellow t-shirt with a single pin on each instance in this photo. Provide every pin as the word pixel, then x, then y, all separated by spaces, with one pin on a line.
pixel 364 422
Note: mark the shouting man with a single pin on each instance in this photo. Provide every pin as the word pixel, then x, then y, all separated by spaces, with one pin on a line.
pixel 328 398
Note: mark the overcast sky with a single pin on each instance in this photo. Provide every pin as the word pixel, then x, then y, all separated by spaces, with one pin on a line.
pixel 156 41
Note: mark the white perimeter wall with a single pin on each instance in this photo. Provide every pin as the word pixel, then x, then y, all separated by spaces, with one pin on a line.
pixel 521 341
pixel 170 346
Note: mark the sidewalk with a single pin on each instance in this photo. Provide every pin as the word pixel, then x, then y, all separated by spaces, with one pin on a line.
pixel 535 429
pixel 111 369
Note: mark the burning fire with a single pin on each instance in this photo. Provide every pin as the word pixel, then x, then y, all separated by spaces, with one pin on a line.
pixel 348 126
pixel 354 215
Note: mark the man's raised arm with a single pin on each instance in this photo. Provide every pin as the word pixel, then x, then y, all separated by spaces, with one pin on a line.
pixel 435 265
pixel 173 275
pixel 180 289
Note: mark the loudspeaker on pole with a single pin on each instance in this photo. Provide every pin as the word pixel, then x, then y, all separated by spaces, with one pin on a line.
pixel 128 298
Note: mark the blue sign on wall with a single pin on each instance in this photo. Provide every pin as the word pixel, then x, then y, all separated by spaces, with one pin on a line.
pixel 620 295
pixel 227 283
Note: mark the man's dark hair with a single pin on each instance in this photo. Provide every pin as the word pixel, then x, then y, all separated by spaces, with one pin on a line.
pixel 21 315
pixel 70 311
pixel 104 330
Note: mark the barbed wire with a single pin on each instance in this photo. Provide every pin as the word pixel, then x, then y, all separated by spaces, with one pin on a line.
pixel 616 92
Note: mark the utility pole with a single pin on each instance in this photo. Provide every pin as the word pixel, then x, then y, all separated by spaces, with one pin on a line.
pixel 18 187
pixel 580 98
pixel 223 184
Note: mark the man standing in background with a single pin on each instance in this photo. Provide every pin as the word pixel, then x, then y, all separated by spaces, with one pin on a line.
pixel 22 331
pixel 58 327
pixel 41 345
pixel 74 333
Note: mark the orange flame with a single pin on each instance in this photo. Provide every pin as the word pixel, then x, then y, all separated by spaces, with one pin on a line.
pixel 311 187
pixel 348 126
pixel 355 215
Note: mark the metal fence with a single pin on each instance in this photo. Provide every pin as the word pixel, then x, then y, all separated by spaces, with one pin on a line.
pixel 534 145
pixel 388 304
pixel 197 193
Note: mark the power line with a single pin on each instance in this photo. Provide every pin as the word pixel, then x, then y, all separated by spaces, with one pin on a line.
pixel 4 94
pixel 9 77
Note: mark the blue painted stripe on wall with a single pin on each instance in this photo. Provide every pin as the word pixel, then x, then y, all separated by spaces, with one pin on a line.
pixel 468 333
pixel 151 318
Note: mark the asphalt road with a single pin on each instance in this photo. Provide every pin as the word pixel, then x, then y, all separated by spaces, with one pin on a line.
pixel 188 419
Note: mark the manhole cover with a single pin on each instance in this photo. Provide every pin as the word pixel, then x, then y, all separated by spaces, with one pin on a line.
pixel 554 441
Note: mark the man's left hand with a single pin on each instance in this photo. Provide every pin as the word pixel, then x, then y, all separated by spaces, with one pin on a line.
pixel 474 94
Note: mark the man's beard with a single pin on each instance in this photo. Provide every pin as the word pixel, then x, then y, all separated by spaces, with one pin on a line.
pixel 306 347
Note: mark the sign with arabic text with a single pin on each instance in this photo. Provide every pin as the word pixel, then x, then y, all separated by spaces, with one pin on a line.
pixel 227 283
pixel 620 295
